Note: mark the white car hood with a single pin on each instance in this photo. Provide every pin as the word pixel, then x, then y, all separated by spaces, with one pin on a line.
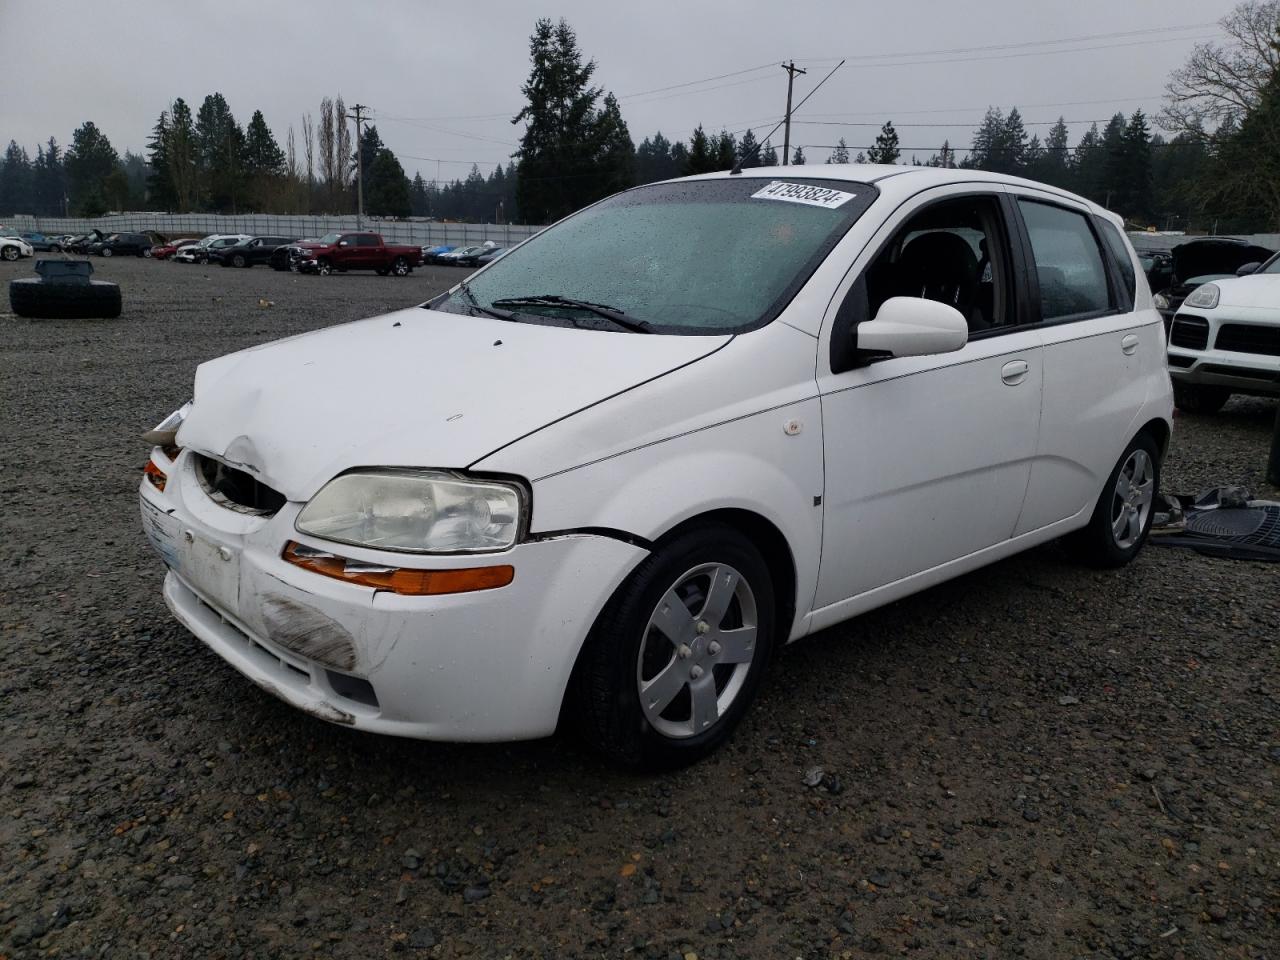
pixel 1256 290
pixel 414 388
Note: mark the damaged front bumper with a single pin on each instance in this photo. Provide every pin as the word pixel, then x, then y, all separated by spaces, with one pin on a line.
pixel 486 665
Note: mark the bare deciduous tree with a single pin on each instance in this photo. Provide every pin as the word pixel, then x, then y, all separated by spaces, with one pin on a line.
pixel 309 156
pixel 1221 83
pixel 328 154
pixel 344 150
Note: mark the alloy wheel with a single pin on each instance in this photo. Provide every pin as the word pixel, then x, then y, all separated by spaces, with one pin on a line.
pixel 1132 499
pixel 697 650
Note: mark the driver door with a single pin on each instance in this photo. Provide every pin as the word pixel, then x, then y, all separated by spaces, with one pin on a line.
pixel 927 458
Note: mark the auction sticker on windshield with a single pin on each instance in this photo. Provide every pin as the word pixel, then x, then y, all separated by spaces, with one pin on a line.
pixel 803 193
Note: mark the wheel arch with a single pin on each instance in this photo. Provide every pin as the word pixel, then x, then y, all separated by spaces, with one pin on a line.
pixel 1160 431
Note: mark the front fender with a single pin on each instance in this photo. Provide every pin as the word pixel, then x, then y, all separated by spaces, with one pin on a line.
pixel 769 464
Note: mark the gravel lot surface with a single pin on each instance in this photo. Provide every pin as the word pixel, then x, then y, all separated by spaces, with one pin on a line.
pixel 1035 760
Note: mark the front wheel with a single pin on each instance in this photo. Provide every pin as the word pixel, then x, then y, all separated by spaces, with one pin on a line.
pixel 1123 514
pixel 324 268
pixel 55 249
pixel 674 660
pixel 107 252
pixel 1199 398
pixel 9 253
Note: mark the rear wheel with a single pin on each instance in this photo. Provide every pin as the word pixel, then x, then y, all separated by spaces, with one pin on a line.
pixel 324 268
pixel 239 261
pixel 1122 516
pixel 55 249
pixel 675 658
pixel 401 267
pixel 9 253
pixel 1199 398
pixel 107 252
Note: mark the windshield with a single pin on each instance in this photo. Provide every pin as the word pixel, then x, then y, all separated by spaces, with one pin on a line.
pixel 1272 265
pixel 329 239
pixel 692 257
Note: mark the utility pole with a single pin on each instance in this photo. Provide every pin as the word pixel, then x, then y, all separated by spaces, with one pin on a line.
pixel 357 114
pixel 792 70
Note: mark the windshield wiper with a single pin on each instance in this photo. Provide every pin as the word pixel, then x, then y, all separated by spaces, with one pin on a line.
pixel 477 305
pixel 609 313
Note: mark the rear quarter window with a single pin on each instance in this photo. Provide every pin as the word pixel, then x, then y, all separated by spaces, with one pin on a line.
pixel 1118 249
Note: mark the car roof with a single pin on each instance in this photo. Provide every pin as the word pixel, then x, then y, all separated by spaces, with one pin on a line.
pixel 900 178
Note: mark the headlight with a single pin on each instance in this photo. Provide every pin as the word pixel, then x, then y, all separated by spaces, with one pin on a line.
pixel 1161 301
pixel 163 433
pixel 1205 296
pixel 416 511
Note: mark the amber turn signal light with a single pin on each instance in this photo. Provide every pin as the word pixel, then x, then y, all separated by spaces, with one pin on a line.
pixel 410 583
pixel 155 475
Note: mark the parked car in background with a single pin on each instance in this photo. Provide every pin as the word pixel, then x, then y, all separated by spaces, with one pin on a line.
pixel 287 257
pixel 432 254
pixel 80 242
pixel 165 250
pixel 12 248
pixel 199 252
pixel 1202 261
pixel 340 252
pixel 488 258
pixel 248 253
pixel 1226 339
pixel 42 244
pixel 473 259
pixel 123 245
pixel 578 492
pixel 452 258
pixel 1158 266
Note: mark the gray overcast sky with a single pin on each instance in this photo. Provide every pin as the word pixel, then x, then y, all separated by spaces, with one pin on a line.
pixel 119 63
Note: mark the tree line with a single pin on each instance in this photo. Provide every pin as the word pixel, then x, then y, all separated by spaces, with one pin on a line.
pixel 1219 166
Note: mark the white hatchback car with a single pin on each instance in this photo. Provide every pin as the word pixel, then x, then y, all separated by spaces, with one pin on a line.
pixel 608 475
pixel 1225 339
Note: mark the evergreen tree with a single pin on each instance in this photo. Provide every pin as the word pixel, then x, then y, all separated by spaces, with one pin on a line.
pixel 616 153
pixel 654 161
pixel 137 174
pixel 946 157
pixel 769 157
pixel 885 149
pixel 160 184
pixel 388 190
pixel 182 157
pixel 557 150
pixel 262 155
pixel 798 158
pixel 370 146
pixel 16 194
pixel 221 146
pixel 840 154
pixel 1055 164
pixel 988 141
pixel 419 200
pixel 749 150
pixel 725 151
pixel 700 158
pixel 50 181
pixel 1087 167
pixel 90 160
pixel 860 158
pixel 1136 182
pixel 679 159
pixel 1111 189
pixel 1014 143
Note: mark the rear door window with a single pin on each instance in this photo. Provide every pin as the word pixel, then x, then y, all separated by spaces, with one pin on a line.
pixel 1069 266
pixel 1120 259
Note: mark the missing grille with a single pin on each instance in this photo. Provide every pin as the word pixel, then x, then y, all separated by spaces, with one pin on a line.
pixel 236 489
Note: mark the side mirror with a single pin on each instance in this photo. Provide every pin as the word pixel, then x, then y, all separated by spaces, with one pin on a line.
pixel 914 327
pixel 343 243
pixel 1247 269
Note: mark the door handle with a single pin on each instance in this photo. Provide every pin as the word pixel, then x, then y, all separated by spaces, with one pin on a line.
pixel 1129 344
pixel 1014 372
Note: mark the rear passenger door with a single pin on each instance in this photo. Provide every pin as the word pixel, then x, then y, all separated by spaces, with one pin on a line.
pixel 1093 346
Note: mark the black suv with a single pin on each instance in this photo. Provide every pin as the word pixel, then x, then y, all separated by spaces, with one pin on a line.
pixel 123 244
pixel 257 250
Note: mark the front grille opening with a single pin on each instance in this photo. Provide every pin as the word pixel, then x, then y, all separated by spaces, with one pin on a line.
pixel 1247 338
pixel 353 688
pixel 237 490
pixel 1180 361
pixel 1190 332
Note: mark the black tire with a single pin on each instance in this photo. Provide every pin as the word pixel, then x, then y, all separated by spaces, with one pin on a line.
pixel 1199 398
pixel 605 691
pixel 108 252
pixel 401 267
pixel 30 297
pixel 324 268
pixel 239 261
pixel 10 253
pixel 146 252
pixel 1098 545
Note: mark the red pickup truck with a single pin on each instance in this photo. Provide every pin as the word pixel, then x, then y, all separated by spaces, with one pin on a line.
pixel 355 251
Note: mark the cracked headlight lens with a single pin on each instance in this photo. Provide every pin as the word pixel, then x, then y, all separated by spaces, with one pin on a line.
pixel 1205 296
pixel 416 511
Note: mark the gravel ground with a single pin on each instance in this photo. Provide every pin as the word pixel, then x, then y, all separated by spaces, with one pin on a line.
pixel 1034 760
